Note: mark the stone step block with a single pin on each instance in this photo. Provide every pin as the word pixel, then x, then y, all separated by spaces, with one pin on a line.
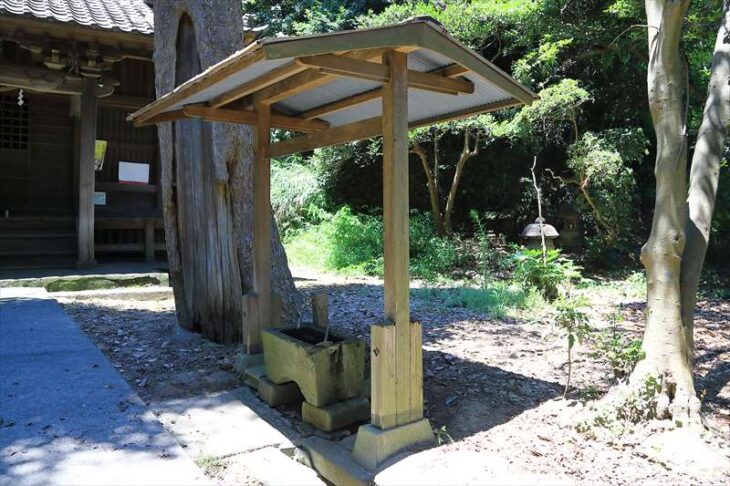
pixel 337 415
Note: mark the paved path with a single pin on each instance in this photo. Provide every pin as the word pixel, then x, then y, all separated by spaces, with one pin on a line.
pixel 66 415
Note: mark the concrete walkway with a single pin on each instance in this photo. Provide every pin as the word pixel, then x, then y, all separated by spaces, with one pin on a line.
pixel 66 415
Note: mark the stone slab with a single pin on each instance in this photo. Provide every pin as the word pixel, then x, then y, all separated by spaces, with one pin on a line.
pixel 337 415
pixel 276 395
pixel 373 446
pixel 271 467
pixel 333 461
pixel 219 425
pixel 68 416
pixel 253 375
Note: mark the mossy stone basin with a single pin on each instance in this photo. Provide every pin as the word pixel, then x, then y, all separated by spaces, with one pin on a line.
pixel 325 372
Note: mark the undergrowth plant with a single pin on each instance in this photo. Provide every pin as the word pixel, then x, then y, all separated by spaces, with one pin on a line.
pixel 547 275
pixel 621 352
pixel 575 323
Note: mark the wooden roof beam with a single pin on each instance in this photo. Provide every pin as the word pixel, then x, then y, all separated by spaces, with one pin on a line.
pixel 256 84
pixel 364 97
pixel 313 78
pixel 252 118
pixel 371 71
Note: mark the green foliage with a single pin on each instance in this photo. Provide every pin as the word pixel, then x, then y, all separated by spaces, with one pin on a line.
pixel 353 243
pixel 299 17
pixel 551 117
pixel 547 275
pixel 621 352
pixel 495 25
pixel 601 164
pixel 575 323
pixel 442 436
pixel 297 198
pixel 572 320
pixel 499 298
pixel 537 68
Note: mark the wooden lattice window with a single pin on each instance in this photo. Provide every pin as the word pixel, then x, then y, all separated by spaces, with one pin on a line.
pixel 13 123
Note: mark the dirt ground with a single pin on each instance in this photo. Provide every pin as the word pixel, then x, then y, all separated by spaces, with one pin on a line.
pixel 491 385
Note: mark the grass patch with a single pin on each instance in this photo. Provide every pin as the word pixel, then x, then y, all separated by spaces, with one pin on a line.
pixel 210 465
pixel 499 299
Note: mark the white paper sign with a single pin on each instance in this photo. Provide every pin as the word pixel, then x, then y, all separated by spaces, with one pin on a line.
pixel 100 198
pixel 134 173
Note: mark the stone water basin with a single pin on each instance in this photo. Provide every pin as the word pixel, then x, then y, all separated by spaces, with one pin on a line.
pixel 325 372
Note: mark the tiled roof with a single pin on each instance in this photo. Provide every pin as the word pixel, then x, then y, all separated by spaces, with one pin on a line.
pixel 119 15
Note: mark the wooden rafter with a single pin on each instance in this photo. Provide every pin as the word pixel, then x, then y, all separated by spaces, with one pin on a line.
pixel 166 116
pixel 364 97
pixel 371 71
pixel 273 76
pixel 252 118
pixel 311 78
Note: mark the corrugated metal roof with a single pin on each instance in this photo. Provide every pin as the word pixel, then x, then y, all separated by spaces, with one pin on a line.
pixel 120 15
pixel 274 64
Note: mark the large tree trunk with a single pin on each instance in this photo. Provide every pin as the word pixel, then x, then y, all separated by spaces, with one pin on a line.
pixel 705 173
pixel 207 179
pixel 665 343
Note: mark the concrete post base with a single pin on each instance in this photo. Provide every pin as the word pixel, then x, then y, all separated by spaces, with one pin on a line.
pixel 373 446
pixel 245 361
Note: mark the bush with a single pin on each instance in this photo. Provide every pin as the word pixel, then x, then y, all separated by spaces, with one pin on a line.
pixel 296 195
pixel 355 242
pixel 546 275
pixel 352 242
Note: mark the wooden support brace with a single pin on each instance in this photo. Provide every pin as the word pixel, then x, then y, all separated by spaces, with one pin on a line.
pixel 343 66
pixel 244 117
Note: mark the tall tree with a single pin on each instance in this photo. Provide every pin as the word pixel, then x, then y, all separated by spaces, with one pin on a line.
pixel 475 133
pixel 705 173
pixel 207 179
pixel 665 343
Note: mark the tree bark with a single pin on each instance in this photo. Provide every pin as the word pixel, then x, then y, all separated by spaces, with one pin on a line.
pixel 705 173
pixel 206 178
pixel 432 186
pixel 466 154
pixel 665 343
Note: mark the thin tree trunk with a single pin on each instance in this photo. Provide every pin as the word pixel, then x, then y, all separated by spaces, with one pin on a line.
pixel 466 154
pixel 433 195
pixel 206 179
pixel 704 175
pixel 665 342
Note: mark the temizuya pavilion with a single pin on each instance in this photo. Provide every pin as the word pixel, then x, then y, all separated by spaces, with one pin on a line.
pixel 337 88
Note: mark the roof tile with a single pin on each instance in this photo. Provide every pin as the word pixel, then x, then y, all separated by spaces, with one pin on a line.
pixel 121 15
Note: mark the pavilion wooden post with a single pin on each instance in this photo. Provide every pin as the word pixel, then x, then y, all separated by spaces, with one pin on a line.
pixel 258 305
pixel 396 365
pixel 87 174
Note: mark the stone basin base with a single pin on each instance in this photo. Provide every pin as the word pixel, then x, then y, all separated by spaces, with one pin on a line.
pixel 325 372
